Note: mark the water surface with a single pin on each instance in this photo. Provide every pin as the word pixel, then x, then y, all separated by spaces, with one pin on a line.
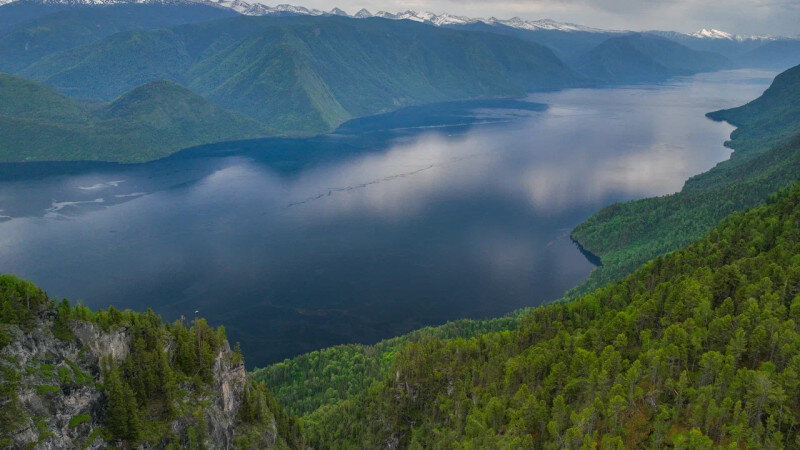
pixel 392 223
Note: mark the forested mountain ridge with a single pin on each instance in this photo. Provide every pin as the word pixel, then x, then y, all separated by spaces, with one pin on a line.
pixel 775 55
pixel 695 349
pixel 22 11
pixel 282 75
pixel 298 74
pixel 639 57
pixel 322 378
pixel 767 158
pixel 150 121
pixel 305 75
pixel 71 378
pixel 770 119
pixel 31 40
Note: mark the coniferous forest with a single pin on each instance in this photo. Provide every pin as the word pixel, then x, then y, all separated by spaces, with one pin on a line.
pixel 696 349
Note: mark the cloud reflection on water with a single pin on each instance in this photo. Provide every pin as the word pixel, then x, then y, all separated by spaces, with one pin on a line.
pixel 423 228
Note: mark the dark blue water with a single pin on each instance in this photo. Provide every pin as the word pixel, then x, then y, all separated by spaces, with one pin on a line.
pixel 392 223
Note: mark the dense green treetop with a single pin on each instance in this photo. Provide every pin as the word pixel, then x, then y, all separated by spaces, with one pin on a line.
pixel 325 377
pixel 695 349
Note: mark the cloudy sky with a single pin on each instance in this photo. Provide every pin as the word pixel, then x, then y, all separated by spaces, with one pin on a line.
pixel 737 16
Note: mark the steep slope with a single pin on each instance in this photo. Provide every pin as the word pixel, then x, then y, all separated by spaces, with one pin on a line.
pixel 29 41
pixel 640 57
pixel 695 349
pixel 767 157
pixel 306 74
pixel 323 378
pixel 25 99
pixel 72 378
pixel 25 10
pixel 715 41
pixel 567 44
pixel 776 55
pixel 767 120
pixel 151 121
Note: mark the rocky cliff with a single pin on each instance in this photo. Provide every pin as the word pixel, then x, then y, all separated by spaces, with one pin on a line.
pixel 72 378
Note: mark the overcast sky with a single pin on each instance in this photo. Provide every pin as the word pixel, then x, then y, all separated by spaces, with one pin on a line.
pixel 737 16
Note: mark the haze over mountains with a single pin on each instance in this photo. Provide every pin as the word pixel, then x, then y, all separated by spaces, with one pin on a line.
pixel 297 71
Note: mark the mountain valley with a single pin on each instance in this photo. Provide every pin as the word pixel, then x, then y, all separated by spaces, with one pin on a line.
pixel 287 227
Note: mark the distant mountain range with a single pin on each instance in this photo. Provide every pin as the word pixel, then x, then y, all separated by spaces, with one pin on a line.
pixel 25 43
pixel 632 58
pixel 445 19
pixel 296 71
pixel 291 75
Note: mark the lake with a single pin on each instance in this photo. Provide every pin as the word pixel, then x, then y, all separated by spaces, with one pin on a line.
pixel 459 210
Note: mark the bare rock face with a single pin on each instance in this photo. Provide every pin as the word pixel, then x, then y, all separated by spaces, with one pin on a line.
pixel 230 379
pixel 112 344
pixel 56 391
pixel 229 383
pixel 61 402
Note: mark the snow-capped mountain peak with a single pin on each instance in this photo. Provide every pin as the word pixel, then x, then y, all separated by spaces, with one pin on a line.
pixel 449 19
pixel 363 14
pixel 711 33
pixel 426 17
pixel 542 24
pixel 259 9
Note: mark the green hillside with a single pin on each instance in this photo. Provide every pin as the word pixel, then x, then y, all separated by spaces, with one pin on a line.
pixel 329 376
pixel 634 58
pixel 151 121
pixel 568 45
pixel 24 10
pixel 767 158
pixel 695 349
pixel 26 99
pixel 303 75
pixel 776 55
pixel 767 120
pixel 29 41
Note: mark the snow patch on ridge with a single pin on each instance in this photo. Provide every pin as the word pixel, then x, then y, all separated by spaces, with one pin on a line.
pixel 260 9
pixel 712 33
